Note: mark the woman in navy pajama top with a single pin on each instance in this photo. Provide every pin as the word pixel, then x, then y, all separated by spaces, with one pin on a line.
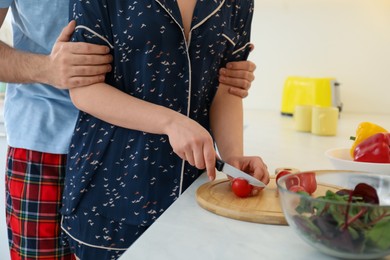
pixel 149 131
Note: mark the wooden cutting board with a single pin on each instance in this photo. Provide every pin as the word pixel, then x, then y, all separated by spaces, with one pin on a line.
pixel 265 208
pixel 217 197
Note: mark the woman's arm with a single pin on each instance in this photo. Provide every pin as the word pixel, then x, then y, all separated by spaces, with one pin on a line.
pixel 226 118
pixel 115 107
pixel 189 140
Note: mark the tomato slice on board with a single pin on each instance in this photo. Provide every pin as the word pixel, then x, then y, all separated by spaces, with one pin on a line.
pixel 293 181
pixel 307 180
pixel 297 188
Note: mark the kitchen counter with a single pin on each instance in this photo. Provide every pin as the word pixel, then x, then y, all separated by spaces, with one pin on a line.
pixel 187 231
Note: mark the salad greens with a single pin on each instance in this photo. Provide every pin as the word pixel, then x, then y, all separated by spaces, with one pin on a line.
pixel 355 227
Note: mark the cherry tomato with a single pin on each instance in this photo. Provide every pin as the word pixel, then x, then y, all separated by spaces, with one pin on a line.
pixel 281 173
pixel 297 188
pixel 307 180
pixel 289 181
pixel 241 187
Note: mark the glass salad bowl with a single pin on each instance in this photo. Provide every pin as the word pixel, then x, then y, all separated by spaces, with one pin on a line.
pixel 347 216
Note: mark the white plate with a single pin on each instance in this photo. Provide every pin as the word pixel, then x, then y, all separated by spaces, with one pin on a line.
pixel 341 160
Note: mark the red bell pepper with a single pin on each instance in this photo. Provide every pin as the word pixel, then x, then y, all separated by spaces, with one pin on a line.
pixel 375 149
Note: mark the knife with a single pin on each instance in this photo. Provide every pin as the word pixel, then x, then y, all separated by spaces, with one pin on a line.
pixel 236 173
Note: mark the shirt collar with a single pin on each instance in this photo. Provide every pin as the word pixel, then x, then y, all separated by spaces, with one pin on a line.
pixel 203 10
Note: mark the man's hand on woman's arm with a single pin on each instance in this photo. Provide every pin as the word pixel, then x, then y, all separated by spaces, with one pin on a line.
pixel 76 64
pixel 68 65
pixel 238 77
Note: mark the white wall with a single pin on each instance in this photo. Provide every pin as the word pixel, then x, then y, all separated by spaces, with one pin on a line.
pixel 345 39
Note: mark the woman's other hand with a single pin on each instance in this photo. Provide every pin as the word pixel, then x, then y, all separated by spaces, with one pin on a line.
pixel 253 165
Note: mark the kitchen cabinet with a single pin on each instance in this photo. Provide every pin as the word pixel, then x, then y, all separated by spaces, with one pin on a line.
pixel 187 231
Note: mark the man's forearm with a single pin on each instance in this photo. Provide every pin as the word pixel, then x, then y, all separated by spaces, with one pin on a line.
pixel 21 67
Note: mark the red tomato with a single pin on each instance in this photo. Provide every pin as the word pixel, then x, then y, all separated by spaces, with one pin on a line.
pixel 241 187
pixel 281 173
pixel 297 188
pixel 307 180
pixel 289 181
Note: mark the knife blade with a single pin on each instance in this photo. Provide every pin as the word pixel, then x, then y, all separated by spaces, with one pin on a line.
pixel 226 168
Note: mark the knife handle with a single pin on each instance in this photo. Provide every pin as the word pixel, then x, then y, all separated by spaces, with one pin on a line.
pixel 219 164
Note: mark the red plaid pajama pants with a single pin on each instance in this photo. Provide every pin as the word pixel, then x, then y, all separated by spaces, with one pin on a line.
pixel 34 183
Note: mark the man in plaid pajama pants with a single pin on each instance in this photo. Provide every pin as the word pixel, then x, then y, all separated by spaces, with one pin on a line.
pixel 40 117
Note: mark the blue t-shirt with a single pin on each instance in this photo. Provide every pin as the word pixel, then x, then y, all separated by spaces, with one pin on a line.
pixel 128 176
pixel 37 116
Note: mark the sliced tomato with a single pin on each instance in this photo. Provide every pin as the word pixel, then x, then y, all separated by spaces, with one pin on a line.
pixel 293 180
pixel 307 180
pixel 297 188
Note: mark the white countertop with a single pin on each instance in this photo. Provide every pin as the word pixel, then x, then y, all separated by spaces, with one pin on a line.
pixel 187 231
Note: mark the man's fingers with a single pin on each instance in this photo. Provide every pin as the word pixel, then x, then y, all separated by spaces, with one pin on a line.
pixel 67 32
pixel 237 74
pixel 82 59
pixel 88 48
pixel 241 65
pixel 80 47
pixel 242 93
pixel 76 82
pixel 242 83
pixel 90 70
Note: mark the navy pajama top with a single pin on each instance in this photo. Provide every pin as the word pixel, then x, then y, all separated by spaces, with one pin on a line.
pixel 132 177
